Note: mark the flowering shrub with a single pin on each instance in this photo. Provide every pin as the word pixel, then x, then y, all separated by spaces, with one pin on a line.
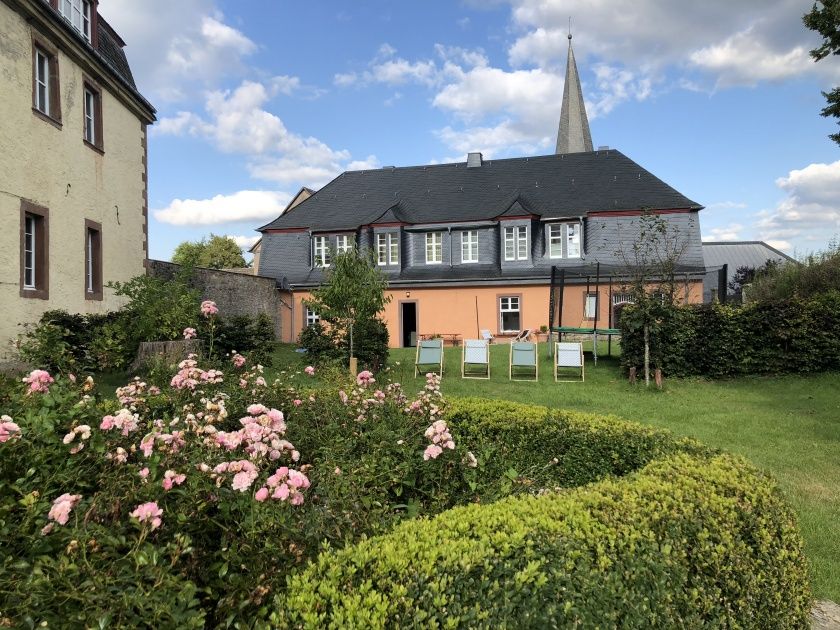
pixel 39 381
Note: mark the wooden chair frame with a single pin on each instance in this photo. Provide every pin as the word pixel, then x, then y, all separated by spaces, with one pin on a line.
pixel 536 362
pixel 464 359
pixel 417 357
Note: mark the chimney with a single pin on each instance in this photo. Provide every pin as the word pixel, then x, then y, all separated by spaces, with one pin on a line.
pixel 473 160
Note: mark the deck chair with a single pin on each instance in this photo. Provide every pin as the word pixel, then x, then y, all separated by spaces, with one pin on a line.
pixel 523 355
pixel 487 336
pixel 476 354
pixel 568 355
pixel 522 335
pixel 429 353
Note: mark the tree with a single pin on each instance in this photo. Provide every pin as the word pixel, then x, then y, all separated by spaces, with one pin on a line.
pixel 352 293
pixel 220 252
pixel 745 276
pixel 824 18
pixel 651 260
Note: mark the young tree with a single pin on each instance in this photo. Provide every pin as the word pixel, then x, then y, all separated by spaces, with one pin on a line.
pixel 824 18
pixel 651 260
pixel 220 252
pixel 353 291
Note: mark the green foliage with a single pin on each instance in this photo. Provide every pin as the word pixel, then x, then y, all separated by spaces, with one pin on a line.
pixel 818 273
pixel 322 346
pixel 253 336
pixel 158 309
pixel 685 542
pixel 794 335
pixel 824 18
pixel 219 252
pixel 351 297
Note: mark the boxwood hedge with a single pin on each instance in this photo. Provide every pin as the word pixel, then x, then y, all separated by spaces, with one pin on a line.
pixel 689 538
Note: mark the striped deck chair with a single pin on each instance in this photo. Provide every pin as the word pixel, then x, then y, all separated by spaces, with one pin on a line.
pixel 429 353
pixel 568 355
pixel 523 357
pixel 475 353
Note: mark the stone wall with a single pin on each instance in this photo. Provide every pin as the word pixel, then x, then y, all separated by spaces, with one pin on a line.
pixel 234 293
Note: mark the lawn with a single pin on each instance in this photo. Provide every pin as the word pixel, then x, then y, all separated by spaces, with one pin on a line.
pixel 789 426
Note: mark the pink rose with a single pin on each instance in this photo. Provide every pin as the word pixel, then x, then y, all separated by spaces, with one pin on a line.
pixel 262 494
pixel 208 308
pixel 148 512
pixel 190 333
pixel 310 370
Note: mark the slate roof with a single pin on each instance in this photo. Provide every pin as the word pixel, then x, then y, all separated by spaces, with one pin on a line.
pixel 740 254
pixel 110 48
pixel 550 186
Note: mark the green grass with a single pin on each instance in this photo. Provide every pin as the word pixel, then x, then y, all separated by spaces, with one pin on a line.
pixel 789 426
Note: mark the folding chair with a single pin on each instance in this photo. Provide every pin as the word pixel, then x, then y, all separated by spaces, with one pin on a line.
pixel 523 335
pixel 523 354
pixel 568 355
pixel 487 336
pixel 429 352
pixel 475 353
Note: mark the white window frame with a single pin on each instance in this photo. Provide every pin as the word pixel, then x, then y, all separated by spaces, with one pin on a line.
pixel 506 305
pixel 311 317
pixel 387 249
pixel 90 116
pixel 343 243
pixel 622 298
pixel 590 306
pixel 89 270
pixel 320 251
pixel 561 236
pixel 469 246
pixel 434 248
pixel 555 240
pixel 30 224
pixel 78 14
pixel 515 242
pixel 42 81
pixel 573 232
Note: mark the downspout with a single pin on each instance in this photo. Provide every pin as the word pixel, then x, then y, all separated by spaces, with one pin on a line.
pixel 450 245
pixel 582 238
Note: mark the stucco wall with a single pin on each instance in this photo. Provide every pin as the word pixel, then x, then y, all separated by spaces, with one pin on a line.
pixel 234 293
pixel 52 167
pixel 468 310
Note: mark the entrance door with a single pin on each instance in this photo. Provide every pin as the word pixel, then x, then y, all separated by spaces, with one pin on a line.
pixel 408 317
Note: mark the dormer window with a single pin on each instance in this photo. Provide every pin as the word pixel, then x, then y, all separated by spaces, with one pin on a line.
pixel 469 246
pixel 387 249
pixel 78 13
pixel 564 240
pixel 434 248
pixel 516 242
pixel 320 251
pixel 343 243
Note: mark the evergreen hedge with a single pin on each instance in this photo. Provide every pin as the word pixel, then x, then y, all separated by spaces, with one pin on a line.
pixel 786 336
pixel 692 538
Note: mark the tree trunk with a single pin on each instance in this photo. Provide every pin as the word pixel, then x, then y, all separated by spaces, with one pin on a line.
pixel 351 340
pixel 647 356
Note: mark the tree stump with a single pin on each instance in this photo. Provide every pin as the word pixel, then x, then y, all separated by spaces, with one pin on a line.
pixel 657 375
pixel 632 376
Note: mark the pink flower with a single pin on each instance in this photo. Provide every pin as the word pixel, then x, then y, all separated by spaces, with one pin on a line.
pixel 365 378
pixel 171 478
pixel 62 506
pixel 242 481
pixel 297 402
pixel 238 360
pixel 8 429
pixel 337 470
pixel 72 378
pixel 124 420
pixel 281 492
pixel 310 370
pixel 262 494
pixel 257 409
pixel 343 396
pixel 39 381
pixel 190 333
pixel 208 308
pixel 260 381
pixel 431 452
pixel 148 512
pixel 144 474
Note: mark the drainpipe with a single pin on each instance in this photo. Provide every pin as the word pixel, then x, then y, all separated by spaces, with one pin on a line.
pixel 582 239
pixel 450 245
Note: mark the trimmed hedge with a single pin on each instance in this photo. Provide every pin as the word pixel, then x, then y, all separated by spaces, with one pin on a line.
pixel 693 539
pixel 787 336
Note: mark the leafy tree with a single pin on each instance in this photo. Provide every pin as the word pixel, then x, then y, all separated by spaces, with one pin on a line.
pixel 353 293
pixel 651 260
pixel 745 276
pixel 219 252
pixel 824 18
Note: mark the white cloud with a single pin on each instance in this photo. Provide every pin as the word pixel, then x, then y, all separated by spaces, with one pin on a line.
pixel 722 205
pixel 245 205
pixel 811 209
pixel 731 232
pixel 175 47
pixel 369 163
pixel 245 242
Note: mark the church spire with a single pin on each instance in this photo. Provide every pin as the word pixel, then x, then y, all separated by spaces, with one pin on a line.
pixel 573 134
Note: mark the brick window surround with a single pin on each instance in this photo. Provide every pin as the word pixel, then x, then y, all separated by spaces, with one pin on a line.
pixel 92 92
pixel 40 252
pixel 93 260
pixel 41 46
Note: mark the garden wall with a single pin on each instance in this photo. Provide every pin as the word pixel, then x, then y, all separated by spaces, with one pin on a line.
pixel 234 293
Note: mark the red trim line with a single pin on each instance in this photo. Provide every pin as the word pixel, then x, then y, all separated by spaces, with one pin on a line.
pixel 637 213
pixel 515 217
pixel 382 225
pixel 285 230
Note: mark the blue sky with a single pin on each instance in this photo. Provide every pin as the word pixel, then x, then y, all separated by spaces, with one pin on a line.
pixel 257 98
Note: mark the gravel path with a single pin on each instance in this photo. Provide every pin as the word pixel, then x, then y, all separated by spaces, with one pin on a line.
pixel 825 615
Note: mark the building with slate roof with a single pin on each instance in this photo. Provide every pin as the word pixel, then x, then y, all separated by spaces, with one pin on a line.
pixel 72 162
pixel 470 246
pixel 731 256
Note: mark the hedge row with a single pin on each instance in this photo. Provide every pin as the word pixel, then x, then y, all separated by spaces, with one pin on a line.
pixel 686 538
pixel 687 542
pixel 788 336
pixel 586 447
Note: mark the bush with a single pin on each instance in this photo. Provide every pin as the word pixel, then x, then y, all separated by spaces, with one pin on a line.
pixel 245 334
pixel 793 335
pixel 818 273
pixel 321 344
pixel 686 542
pixel 324 346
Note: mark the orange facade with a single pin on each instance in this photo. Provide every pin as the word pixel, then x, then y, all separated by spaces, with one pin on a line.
pixel 466 311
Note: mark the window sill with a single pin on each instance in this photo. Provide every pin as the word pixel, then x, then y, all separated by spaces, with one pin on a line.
pixel 95 296
pixel 35 294
pixel 94 147
pixel 47 118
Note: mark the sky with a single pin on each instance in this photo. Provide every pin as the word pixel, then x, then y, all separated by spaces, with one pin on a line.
pixel 257 98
